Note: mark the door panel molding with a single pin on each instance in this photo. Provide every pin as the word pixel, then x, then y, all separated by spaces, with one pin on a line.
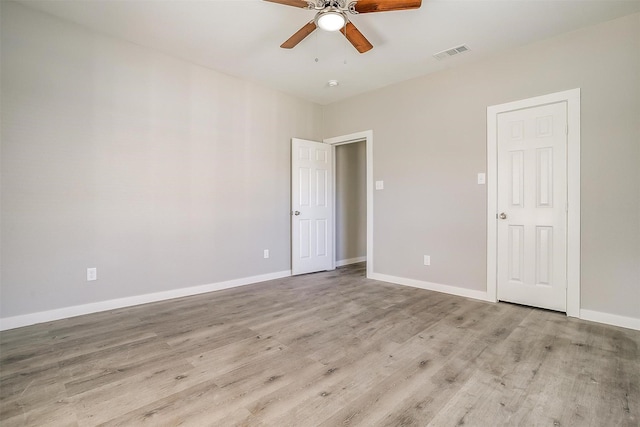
pixel 572 98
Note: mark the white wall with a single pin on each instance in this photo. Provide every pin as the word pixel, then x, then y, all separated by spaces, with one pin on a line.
pixel 430 142
pixel 160 173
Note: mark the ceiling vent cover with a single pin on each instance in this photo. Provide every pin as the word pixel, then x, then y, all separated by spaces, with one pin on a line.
pixel 451 52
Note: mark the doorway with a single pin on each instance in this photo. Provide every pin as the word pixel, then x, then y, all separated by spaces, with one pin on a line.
pixel 350 203
pixel 533 217
pixel 366 138
pixel 309 219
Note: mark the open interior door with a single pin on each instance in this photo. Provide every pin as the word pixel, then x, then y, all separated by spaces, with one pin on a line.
pixel 311 206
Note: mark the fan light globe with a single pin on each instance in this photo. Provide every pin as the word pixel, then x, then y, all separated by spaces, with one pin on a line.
pixel 331 20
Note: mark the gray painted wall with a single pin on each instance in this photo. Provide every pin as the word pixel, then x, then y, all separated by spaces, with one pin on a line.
pixel 430 142
pixel 163 174
pixel 160 173
pixel 351 201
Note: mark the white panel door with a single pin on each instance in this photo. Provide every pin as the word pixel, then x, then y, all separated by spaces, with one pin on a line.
pixel 311 206
pixel 532 206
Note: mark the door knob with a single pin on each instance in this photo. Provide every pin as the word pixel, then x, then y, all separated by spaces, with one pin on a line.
pixel 296 213
pixel 503 215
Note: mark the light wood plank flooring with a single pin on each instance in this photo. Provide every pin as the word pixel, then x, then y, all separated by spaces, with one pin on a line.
pixel 327 349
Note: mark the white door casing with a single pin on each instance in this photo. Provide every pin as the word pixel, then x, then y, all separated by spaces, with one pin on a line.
pixel 311 206
pixel 571 99
pixel 532 200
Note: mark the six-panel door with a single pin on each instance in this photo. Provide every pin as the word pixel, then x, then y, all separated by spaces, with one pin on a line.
pixel 532 208
pixel 311 206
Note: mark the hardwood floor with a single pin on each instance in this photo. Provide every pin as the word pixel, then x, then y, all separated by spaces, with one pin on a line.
pixel 328 349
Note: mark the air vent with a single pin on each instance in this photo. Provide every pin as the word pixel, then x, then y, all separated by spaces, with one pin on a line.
pixel 451 52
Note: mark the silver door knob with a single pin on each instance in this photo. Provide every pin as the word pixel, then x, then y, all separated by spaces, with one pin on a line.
pixel 503 215
pixel 296 213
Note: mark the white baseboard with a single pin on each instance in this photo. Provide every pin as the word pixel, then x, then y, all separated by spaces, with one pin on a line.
pixel 350 261
pixel 78 310
pixel 594 316
pixel 447 289
pixel 610 319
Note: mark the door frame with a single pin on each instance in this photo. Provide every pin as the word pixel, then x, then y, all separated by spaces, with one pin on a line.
pixel 367 137
pixel 572 98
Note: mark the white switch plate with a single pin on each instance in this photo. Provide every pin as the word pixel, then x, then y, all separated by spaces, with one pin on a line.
pixel 379 185
pixel 427 260
pixel 92 274
pixel 266 253
pixel 482 178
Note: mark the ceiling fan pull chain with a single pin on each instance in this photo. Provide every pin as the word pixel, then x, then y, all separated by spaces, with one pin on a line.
pixel 344 43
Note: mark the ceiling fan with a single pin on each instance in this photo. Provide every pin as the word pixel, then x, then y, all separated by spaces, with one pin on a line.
pixel 332 16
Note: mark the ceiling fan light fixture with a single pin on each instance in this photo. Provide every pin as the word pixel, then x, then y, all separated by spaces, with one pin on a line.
pixel 331 19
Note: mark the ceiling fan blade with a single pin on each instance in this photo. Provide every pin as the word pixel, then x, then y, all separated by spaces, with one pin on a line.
pixel 299 36
pixel 294 3
pixel 368 6
pixel 356 38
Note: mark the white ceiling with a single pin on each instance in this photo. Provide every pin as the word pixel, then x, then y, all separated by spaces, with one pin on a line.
pixel 242 37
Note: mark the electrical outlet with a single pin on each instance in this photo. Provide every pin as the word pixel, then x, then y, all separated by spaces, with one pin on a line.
pixel 427 260
pixel 92 274
pixel 266 253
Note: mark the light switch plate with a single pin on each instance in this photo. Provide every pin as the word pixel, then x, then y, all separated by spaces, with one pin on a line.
pixel 482 178
pixel 379 185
